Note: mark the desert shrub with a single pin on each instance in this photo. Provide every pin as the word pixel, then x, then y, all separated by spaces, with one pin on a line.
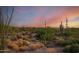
pixel 68 42
pixel 64 42
pixel 1 47
pixel 45 34
pixel 74 48
pixel 74 32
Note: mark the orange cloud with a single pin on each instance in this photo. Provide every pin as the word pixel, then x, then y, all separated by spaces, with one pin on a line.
pixel 54 19
pixel 70 12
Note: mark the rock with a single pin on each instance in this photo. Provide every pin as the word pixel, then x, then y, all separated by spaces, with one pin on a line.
pixel 27 38
pixel 50 50
pixel 23 48
pixel 19 36
pixel 36 45
pixel 8 42
pixel 20 42
pixel 41 50
pixel 17 45
pixel 68 46
pixel 26 42
pixel 14 47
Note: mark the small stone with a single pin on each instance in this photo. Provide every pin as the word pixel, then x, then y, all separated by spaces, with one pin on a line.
pixel 24 48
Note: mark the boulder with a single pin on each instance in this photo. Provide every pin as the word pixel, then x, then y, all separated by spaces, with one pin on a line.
pixel 26 42
pixel 20 42
pixel 23 48
pixel 8 42
pixel 36 45
pixel 15 47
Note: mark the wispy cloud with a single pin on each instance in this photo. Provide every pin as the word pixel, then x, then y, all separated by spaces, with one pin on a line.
pixel 35 16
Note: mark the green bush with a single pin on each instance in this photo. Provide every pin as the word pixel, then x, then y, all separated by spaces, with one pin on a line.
pixel 74 48
pixel 68 42
pixel 45 34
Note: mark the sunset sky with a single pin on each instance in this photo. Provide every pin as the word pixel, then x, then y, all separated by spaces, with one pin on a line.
pixel 35 16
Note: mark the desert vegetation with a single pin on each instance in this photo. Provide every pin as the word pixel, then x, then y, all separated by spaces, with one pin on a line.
pixel 32 39
pixel 40 40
